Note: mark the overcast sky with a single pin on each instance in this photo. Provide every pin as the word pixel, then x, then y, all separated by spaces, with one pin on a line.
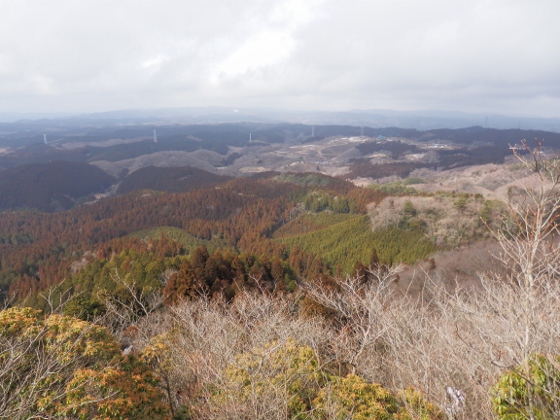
pixel 476 56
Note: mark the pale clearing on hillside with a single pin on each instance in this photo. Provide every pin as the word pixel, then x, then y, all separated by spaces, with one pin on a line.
pixel 492 181
pixel 447 220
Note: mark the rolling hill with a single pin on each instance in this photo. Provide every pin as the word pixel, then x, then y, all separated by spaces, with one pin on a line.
pixel 50 186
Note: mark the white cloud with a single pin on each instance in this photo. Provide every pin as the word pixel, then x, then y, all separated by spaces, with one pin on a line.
pixel 262 50
pixel 478 55
pixel 42 85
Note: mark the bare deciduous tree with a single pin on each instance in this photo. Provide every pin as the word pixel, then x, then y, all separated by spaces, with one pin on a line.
pixel 134 302
pixel 359 306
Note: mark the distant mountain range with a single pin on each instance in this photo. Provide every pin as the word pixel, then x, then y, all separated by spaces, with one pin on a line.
pixel 52 165
pixel 421 120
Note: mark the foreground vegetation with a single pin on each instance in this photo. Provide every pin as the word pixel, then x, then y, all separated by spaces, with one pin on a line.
pixel 355 349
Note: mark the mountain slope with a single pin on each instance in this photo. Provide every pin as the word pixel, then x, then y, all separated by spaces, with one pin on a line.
pixel 173 179
pixel 50 186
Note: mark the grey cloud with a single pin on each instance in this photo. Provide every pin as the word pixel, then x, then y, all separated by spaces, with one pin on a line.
pixel 482 56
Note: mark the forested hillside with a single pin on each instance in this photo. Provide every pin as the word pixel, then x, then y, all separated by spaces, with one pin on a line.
pixel 169 179
pixel 40 250
pixel 52 186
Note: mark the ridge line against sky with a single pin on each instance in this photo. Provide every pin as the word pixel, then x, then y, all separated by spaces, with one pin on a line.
pixel 499 57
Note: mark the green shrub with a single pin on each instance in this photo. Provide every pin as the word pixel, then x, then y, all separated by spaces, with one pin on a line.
pixel 61 367
pixel 286 377
pixel 353 397
pixel 530 391
pixel 277 375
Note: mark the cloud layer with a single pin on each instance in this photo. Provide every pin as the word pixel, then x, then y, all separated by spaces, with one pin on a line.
pixel 475 56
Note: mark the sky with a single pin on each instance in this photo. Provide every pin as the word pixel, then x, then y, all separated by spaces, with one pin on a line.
pixel 82 56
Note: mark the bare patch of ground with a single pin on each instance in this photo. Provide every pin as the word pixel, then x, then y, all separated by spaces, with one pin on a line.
pixel 460 268
pixel 363 182
pixel 492 181
pixel 253 169
pixel 329 156
pixel 201 159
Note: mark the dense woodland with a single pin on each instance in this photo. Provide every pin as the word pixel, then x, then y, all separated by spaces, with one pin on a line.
pixel 169 179
pixel 49 187
pixel 39 249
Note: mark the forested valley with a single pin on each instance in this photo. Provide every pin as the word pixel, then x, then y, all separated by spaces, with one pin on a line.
pixel 283 296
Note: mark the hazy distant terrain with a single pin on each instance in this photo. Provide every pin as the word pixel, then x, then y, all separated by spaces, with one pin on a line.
pixel 377 118
pixel 361 154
